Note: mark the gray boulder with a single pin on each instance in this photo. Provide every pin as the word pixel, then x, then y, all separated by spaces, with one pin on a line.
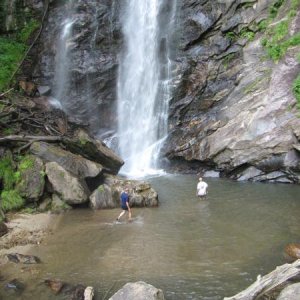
pixel 291 292
pixel 75 164
pixel 94 150
pixel 107 195
pixel 102 198
pixel 71 189
pixel 138 290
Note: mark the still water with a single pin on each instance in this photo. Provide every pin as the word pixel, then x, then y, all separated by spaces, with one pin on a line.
pixel 190 248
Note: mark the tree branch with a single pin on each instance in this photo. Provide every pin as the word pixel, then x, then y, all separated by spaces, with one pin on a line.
pixel 268 282
pixel 29 138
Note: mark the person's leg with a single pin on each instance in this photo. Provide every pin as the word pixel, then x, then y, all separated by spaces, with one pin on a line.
pixel 121 214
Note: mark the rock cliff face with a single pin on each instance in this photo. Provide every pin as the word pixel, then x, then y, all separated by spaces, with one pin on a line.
pixel 232 108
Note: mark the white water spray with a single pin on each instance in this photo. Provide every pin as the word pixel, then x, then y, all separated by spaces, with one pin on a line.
pixel 142 94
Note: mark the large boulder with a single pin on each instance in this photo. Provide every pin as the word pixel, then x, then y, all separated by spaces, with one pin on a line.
pixel 102 198
pixel 94 150
pixel 75 164
pixel 31 182
pixel 291 292
pixel 107 195
pixel 70 188
pixel 138 290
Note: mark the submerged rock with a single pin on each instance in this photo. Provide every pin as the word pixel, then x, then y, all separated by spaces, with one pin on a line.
pixel 292 250
pixel 74 292
pixel 23 259
pixel 16 286
pixel 138 290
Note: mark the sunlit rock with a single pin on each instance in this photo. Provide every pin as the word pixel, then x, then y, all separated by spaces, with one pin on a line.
pixel 141 193
pixel 102 198
pixel 70 188
pixel 107 195
pixel 94 150
pixel 138 290
pixel 75 164
pixel 291 292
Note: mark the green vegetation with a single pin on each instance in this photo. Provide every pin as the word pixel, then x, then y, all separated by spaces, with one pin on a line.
pixel 12 50
pixel 275 7
pixel 26 163
pixel 247 34
pixel 7 173
pixel 10 198
pixel 27 31
pixel 277 41
pixel 296 90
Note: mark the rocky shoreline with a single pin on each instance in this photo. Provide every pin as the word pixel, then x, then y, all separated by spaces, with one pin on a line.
pixel 25 231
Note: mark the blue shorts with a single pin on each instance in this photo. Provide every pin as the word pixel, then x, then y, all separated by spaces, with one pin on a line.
pixel 124 207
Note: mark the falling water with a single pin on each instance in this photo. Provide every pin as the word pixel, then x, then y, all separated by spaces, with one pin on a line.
pixel 61 77
pixel 143 91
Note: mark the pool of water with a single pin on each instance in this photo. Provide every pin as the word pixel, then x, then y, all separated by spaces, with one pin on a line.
pixel 190 248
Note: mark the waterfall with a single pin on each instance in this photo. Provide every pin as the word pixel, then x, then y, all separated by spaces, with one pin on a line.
pixel 61 76
pixel 143 84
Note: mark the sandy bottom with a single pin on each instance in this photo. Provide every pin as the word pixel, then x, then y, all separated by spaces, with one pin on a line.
pixel 24 231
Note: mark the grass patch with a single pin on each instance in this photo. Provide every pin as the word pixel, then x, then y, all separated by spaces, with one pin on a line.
pixel 26 163
pixel 11 52
pixel 7 174
pixel 11 200
pixel 277 41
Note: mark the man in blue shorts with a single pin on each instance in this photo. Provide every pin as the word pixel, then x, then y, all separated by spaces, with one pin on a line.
pixel 125 204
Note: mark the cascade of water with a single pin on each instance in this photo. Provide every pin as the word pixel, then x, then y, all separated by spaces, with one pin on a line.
pixel 143 85
pixel 61 76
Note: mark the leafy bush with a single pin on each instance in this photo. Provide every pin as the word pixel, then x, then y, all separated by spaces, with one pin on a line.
pixel 11 200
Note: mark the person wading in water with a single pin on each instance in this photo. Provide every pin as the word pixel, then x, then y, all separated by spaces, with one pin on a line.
pixel 201 188
pixel 125 205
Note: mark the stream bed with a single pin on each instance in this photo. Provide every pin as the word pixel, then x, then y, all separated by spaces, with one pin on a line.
pixel 188 247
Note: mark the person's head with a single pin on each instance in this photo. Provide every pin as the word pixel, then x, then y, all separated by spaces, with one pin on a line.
pixel 126 190
pixel 200 179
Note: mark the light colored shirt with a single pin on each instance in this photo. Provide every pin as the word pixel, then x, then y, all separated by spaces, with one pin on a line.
pixel 202 188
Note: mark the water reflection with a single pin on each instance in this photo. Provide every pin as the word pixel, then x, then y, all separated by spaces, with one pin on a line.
pixel 190 248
